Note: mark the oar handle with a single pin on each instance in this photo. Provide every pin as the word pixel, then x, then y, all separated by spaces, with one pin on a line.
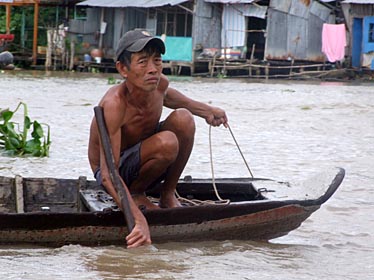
pixel 109 158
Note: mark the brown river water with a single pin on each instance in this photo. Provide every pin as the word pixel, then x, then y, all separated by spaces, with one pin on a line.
pixel 287 130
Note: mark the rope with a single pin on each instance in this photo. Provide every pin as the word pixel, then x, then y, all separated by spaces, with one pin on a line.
pixel 237 145
pixel 195 202
pixel 211 162
pixel 212 169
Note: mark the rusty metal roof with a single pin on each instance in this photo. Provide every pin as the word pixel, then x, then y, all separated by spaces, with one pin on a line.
pixel 130 3
pixel 358 1
pixel 231 1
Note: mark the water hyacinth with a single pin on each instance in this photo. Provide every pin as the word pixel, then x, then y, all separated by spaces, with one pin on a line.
pixel 17 141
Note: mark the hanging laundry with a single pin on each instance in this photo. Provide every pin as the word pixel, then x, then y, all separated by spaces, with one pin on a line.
pixel 333 41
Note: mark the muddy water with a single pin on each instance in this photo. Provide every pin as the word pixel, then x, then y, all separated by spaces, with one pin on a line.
pixel 286 130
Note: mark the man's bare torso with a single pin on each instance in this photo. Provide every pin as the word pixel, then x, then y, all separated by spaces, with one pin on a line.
pixel 137 117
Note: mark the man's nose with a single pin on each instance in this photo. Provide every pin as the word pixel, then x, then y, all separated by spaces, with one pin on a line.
pixel 151 67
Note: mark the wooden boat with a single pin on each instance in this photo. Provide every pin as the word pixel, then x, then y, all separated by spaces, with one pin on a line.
pixel 54 212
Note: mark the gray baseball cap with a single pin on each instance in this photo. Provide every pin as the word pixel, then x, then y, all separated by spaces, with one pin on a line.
pixel 136 40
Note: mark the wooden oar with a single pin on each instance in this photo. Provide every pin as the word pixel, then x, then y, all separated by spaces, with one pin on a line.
pixel 114 176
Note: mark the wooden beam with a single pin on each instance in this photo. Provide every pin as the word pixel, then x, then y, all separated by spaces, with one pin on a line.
pixel 19 2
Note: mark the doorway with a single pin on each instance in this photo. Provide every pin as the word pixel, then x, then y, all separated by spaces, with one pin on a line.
pixel 256 28
pixel 356 42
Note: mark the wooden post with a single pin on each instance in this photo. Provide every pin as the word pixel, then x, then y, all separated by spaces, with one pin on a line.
pixel 35 41
pixel 64 54
pixel 20 204
pixel 101 35
pixel 290 73
pixel 48 59
pixel 8 13
pixel 72 54
pixel 251 59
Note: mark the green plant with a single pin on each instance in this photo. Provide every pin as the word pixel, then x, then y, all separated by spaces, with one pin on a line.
pixel 15 140
pixel 112 81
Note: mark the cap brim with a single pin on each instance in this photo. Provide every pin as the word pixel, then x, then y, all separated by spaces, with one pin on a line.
pixel 141 43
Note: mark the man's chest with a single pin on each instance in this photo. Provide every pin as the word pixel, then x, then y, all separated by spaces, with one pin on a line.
pixel 140 124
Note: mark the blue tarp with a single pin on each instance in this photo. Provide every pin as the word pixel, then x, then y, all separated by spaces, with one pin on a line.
pixel 368 35
pixel 178 49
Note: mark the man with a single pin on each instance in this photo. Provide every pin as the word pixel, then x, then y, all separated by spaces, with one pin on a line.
pixel 146 151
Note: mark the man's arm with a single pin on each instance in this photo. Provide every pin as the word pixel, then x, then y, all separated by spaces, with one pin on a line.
pixel 140 235
pixel 213 115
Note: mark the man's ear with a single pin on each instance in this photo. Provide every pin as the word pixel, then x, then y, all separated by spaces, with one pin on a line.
pixel 122 69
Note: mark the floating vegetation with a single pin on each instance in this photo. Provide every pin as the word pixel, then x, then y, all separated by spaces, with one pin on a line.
pixel 113 81
pixel 17 141
pixel 306 108
pixel 288 90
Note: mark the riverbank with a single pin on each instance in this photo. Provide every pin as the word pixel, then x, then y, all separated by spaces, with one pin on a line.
pixel 222 68
pixel 336 75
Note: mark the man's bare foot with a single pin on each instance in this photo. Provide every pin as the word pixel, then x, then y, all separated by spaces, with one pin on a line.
pixel 169 201
pixel 142 201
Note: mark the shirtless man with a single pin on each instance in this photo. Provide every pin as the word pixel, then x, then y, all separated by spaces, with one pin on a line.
pixel 146 150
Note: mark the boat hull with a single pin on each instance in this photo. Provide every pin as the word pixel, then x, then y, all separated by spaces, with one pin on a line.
pixel 264 225
pixel 55 212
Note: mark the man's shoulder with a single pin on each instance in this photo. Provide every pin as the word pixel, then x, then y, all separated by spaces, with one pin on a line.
pixel 113 98
pixel 164 83
pixel 113 93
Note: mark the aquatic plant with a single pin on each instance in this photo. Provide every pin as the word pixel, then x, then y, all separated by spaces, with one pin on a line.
pixel 16 140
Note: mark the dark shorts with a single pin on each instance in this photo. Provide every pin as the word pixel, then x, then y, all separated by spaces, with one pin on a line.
pixel 129 171
pixel 129 165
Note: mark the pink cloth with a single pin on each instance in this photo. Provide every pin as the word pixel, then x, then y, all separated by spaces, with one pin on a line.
pixel 333 41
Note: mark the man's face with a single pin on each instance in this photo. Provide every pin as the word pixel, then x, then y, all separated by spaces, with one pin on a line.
pixel 145 70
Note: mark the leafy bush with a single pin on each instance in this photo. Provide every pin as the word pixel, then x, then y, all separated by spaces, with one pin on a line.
pixel 15 140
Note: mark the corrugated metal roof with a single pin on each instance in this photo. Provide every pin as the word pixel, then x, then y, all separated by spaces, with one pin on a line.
pixel 130 3
pixel 358 1
pixel 231 1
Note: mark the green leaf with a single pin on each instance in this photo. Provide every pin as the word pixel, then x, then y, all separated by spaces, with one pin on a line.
pixel 32 145
pixel 27 123
pixel 9 146
pixel 7 115
pixel 10 130
pixel 14 142
pixel 38 130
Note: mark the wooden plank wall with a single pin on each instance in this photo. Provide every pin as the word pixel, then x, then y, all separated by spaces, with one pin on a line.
pixel 18 195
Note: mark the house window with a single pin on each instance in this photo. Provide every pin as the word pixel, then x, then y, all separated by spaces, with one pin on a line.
pixel 174 24
pixel 80 13
pixel 371 33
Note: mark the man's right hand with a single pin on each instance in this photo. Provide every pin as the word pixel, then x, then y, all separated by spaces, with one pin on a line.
pixel 139 235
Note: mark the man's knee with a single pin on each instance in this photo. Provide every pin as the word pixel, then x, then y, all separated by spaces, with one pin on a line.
pixel 183 121
pixel 167 145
